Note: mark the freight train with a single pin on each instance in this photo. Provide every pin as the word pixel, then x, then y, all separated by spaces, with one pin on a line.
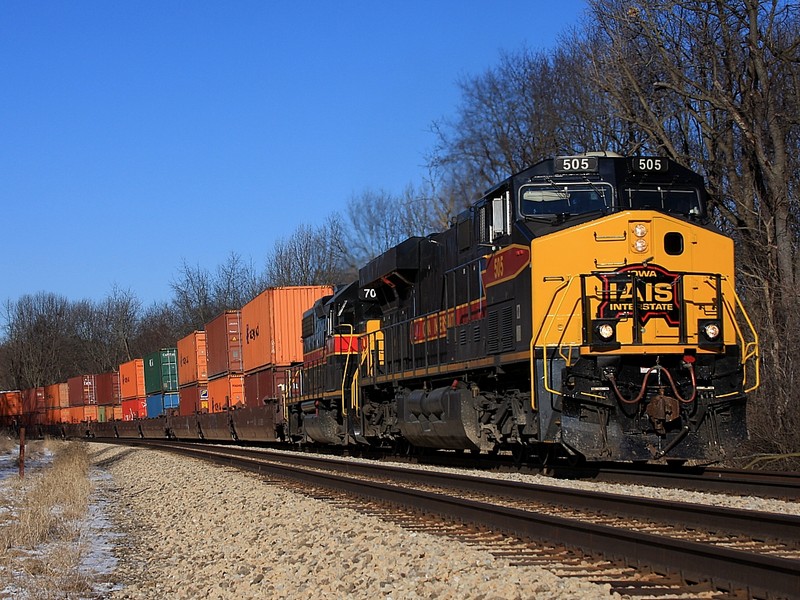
pixel 584 307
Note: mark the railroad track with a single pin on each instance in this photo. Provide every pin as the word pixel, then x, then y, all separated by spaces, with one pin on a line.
pixel 762 484
pixel 650 548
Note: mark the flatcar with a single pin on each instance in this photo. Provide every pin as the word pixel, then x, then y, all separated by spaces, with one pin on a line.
pixel 584 306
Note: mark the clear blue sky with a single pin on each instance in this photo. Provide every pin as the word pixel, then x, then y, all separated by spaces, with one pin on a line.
pixel 134 135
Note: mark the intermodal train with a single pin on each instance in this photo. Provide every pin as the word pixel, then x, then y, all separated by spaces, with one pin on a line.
pixel 585 307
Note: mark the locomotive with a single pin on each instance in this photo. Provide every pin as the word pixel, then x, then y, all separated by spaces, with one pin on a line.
pixel 584 306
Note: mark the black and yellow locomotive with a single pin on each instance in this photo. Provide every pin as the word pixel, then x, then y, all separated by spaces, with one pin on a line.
pixel 584 304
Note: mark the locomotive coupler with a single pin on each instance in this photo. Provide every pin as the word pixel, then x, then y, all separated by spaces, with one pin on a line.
pixel 661 410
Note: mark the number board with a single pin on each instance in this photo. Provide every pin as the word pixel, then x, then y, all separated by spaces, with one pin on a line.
pixel 368 294
pixel 646 164
pixel 576 164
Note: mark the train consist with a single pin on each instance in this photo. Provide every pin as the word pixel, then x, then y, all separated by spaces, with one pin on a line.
pixel 584 307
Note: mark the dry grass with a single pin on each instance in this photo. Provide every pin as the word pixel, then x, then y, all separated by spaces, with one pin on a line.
pixel 40 548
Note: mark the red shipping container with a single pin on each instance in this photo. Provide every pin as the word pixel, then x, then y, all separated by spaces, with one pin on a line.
pixel 33 400
pixel 107 388
pixel 272 325
pixel 82 390
pixel 134 408
pixel 192 363
pixel 131 379
pixel 265 386
pixel 225 393
pixel 193 399
pixel 224 344
pixel 56 395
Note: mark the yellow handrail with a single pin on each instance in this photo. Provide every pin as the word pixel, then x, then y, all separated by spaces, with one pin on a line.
pixel 562 289
pixel 749 350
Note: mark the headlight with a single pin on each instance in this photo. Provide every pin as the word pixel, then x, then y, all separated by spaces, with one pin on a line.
pixel 711 331
pixel 640 230
pixel 640 245
pixel 605 331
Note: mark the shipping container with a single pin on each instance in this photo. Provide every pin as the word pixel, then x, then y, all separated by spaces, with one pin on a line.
pixel 52 416
pixel 225 393
pixel 117 412
pixel 271 325
pixel 192 364
pixel 101 413
pixel 33 400
pixel 55 415
pixel 159 404
pixel 131 379
pixel 265 387
pixel 193 399
pixel 81 414
pixel 161 371
pixel 82 390
pixel 11 403
pixel 108 388
pixel 224 344
pixel 56 395
pixel 134 408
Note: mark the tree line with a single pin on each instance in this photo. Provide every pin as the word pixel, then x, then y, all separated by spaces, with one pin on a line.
pixel 714 85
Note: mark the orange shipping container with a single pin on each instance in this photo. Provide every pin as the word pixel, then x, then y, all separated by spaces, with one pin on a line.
pixel 11 404
pixel 56 396
pixel 131 379
pixel 225 392
pixel 271 324
pixel 224 343
pixel 192 365
pixel 81 414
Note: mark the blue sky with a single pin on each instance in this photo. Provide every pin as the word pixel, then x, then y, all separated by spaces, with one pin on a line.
pixel 136 135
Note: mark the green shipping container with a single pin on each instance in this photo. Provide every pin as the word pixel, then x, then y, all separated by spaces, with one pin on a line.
pixel 161 371
pixel 102 417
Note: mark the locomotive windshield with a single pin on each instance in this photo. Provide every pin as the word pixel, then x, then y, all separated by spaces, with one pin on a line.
pixel 681 201
pixel 572 199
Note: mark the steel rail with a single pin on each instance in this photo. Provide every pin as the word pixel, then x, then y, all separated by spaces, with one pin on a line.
pixel 724 568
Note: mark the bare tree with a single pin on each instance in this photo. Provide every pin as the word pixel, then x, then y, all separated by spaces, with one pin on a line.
pixel 39 339
pixel 310 256
pixel 716 85
pixel 533 105
pixel 159 327
pixel 105 330
pixel 378 220
pixel 236 282
pixel 192 298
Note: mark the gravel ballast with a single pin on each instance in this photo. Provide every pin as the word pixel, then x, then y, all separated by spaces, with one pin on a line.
pixel 193 530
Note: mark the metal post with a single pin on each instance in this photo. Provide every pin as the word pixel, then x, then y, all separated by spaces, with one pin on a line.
pixel 21 452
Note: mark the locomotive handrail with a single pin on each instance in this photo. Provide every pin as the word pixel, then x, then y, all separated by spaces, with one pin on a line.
pixel 561 290
pixel 749 350
pixel 346 364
